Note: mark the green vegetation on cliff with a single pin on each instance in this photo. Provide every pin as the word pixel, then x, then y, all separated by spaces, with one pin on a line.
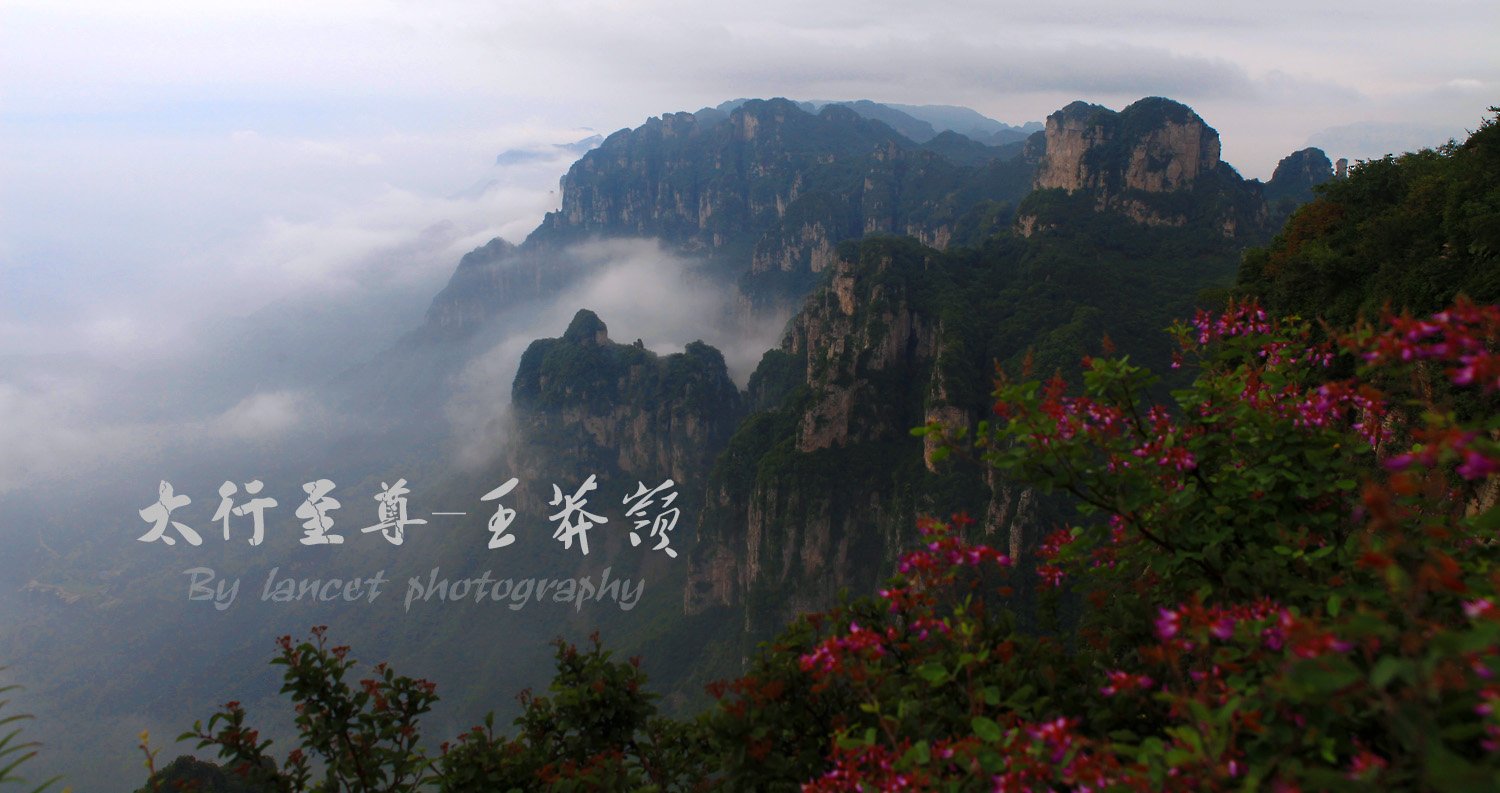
pixel 585 369
pixel 820 489
pixel 586 405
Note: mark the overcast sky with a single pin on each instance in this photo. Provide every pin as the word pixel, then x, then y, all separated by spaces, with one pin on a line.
pixel 167 163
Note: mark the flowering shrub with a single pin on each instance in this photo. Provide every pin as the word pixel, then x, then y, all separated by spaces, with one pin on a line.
pixel 1290 576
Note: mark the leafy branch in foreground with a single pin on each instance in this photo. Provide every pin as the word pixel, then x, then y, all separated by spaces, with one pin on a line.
pixel 13 751
pixel 596 729
pixel 365 737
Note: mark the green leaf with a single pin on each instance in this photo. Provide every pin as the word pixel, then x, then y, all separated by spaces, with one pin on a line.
pixel 918 754
pixel 1447 772
pixel 986 729
pixel 1179 757
pixel 1489 520
pixel 1321 678
pixel 1386 670
pixel 934 673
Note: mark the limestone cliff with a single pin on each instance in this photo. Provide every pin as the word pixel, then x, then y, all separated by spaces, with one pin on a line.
pixel 1154 145
pixel 820 488
pixel 582 405
pixel 762 193
pixel 821 492
pixel 1156 162
pixel 453 313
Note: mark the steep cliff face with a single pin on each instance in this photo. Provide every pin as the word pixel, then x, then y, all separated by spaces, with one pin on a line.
pixel 820 492
pixel 763 191
pixel 1070 134
pixel 761 194
pixel 1154 145
pixel 775 182
pixel 857 335
pixel 1156 162
pixel 820 488
pixel 454 312
pixel 584 405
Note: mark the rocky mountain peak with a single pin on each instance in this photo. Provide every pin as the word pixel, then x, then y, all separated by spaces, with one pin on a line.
pixel 1292 184
pixel 587 329
pixel 583 404
pixel 1298 172
pixel 1155 145
pixel 1156 162
pixel 752 118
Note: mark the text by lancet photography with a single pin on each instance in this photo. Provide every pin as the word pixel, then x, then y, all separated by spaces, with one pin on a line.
pixel 205 585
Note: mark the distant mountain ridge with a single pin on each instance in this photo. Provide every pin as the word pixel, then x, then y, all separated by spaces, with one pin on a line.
pixel 762 191
pixel 917 122
pixel 554 151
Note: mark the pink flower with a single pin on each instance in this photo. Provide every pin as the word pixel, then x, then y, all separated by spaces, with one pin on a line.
pixel 1476 465
pixel 1365 764
pixel 1168 623
pixel 1398 463
pixel 1274 637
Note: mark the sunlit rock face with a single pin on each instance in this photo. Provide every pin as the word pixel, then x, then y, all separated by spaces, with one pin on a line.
pixel 1143 162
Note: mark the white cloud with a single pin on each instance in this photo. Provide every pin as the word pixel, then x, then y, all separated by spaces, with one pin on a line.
pixel 60 427
pixel 262 417
pixel 640 292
